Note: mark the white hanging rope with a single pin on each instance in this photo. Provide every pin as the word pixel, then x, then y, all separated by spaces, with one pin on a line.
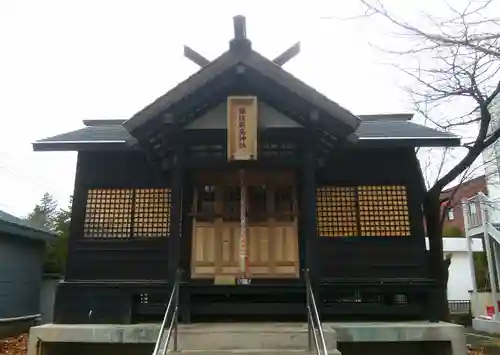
pixel 243 225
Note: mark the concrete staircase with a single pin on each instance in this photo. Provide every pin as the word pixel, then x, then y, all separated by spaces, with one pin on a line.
pixel 248 339
pixel 367 338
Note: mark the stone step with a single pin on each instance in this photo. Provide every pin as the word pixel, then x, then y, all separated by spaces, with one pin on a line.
pixel 248 336
pixel 250 352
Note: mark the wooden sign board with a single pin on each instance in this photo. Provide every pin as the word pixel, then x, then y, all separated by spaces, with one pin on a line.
pixel 224 280
pixel 242 128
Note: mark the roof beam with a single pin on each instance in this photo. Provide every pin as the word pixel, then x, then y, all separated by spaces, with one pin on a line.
pixel 195 57
pixel 287 55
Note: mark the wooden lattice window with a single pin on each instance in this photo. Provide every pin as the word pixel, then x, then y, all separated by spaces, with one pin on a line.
pixel 151 213
pixel 378 210
pixel 127 213
pixel 205 201
pixel 336 211
pixel 285 207
pixel 108 213
pixel 257 209
pixel 383 211
pixel 231 203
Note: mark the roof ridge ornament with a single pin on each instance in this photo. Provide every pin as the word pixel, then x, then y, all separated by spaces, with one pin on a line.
pixel 195 57
pixel 287 55
pixel 241 46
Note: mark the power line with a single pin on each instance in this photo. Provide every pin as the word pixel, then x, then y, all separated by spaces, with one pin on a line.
pixel 31 180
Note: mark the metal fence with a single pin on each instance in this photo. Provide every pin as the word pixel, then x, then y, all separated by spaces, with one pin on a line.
pixel 458 307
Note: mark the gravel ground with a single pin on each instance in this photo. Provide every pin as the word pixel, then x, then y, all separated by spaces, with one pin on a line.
pixel 14 346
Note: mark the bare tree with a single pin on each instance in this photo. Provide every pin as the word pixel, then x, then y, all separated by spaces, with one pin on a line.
pixel 454 63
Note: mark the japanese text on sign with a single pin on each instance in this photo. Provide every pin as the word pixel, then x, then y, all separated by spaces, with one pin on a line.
pixel 242 117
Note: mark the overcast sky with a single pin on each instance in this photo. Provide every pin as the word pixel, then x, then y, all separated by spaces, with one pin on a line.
pixel 65 61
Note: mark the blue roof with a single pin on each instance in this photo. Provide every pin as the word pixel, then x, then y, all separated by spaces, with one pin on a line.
pixel 12 225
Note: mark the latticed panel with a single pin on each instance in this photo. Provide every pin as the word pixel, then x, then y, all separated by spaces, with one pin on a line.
pixel 285 203
pixel 152 213
pixel 383 211
pixel 108 213
pixel 336 211
pixel 231 203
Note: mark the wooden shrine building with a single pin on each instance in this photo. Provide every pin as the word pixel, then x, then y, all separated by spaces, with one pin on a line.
pixel 242 176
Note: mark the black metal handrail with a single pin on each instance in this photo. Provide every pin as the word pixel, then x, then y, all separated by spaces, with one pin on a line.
pixel 314 327
pixel 173 303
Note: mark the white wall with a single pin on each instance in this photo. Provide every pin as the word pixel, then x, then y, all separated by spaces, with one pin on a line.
pixel 460 280
pixel 480 302
pixel 491 159
pixel 460 277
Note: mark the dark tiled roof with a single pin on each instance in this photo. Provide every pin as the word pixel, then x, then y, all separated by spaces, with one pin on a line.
pixel 250 65
pixel 387 117
pixel 398 130
pixel 103 122
pixel 369 132
pixel 12 225
pixel 92 134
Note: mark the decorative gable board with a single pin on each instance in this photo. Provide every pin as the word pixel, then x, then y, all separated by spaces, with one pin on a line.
pixel 268 117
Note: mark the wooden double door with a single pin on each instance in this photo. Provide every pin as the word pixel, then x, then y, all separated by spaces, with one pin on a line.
pixel 271 225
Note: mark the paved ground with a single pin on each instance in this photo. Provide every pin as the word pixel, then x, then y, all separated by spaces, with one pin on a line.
pixel 490 344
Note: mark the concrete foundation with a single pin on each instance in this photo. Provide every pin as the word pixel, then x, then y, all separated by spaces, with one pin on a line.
pixel 486 325
pixel 250 338
pixel 400 337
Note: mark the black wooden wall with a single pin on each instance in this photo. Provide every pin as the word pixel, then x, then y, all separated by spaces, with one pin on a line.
pixel 375 257
pixel 106 279
pixel 347 257
pixel 133 259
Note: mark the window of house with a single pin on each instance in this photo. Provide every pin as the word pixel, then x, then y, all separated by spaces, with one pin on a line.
pixel 473 215
pixel 472 209
pixel 451 214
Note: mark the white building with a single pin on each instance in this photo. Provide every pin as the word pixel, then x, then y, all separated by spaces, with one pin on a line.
pixel 460 271
pixel 491 159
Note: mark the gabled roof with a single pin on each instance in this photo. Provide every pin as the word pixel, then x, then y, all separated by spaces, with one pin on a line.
pixel 14 226
pixel 479 180
pixel 376 131
pixel 242 71
pixel 259 73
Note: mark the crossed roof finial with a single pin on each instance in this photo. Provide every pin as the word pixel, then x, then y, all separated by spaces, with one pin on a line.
pixel 241 44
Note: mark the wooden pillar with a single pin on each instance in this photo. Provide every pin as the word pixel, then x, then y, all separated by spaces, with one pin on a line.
pixel 185 245
pixel 176 210
pixel 77 217
pixel 308 202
